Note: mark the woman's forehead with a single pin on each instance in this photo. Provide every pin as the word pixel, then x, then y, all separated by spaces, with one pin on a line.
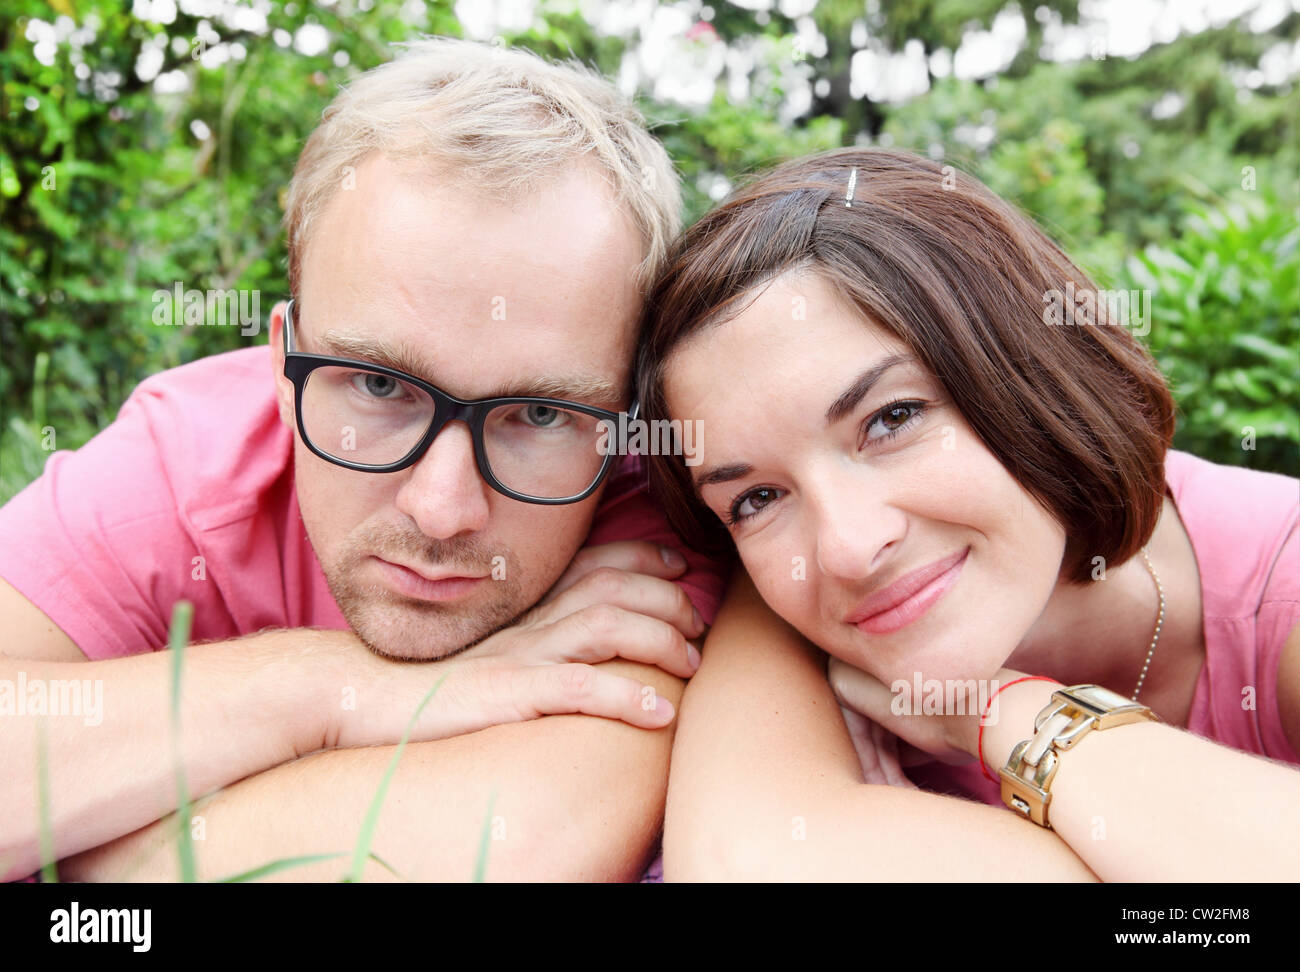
pixel 795 330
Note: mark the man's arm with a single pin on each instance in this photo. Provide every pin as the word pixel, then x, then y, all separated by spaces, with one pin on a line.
pixel 111 764
pixel 258 702
pixel 565 798
pixel 766 784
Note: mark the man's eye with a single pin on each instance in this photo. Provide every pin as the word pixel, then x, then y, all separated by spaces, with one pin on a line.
pixel 377 386
pixel 892 419
pixel 748 504
pixel 543 416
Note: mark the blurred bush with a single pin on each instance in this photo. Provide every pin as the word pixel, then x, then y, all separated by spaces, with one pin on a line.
pixel 151 143
pixel 1225 329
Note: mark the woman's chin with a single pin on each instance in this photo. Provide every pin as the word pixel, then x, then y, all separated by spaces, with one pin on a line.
pixel 920 660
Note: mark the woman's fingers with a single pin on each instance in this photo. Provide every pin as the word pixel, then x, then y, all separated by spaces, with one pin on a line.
pixel 877 750
pixel 860 733
pixel 859 690
pixel 909 755
pixel 887 750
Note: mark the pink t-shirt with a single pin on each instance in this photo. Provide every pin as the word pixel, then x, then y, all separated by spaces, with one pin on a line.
pixel 1243 525
pixel 189 494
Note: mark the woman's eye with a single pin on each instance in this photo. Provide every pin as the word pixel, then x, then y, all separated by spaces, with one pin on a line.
pixel 891 419
pixel 748 504
pixel 377 386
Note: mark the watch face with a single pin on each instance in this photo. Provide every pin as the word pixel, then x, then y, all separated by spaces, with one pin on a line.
pixel 1098 700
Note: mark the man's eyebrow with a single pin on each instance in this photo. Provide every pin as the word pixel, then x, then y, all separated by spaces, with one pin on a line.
pixel 581 388
pixel 723 474
pixel 375 350
pixel 584 389
pixel 857 391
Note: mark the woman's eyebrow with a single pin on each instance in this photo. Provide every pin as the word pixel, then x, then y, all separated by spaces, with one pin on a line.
pixel 857 391
pixel 722 474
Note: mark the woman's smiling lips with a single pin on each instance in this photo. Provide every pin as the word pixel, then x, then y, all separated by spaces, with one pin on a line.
pixel 909 597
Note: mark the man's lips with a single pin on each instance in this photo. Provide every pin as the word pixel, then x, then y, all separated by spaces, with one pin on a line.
pixel 425 585
pixel 907 598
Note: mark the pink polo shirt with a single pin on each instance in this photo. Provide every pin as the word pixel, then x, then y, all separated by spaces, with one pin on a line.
pixel 1243 525
pixel 189 494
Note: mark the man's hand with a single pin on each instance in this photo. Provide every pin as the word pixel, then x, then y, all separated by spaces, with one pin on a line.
pixel 637 556
pixel 615 601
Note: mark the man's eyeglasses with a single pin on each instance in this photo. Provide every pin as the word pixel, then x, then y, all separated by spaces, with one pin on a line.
pixel 372 418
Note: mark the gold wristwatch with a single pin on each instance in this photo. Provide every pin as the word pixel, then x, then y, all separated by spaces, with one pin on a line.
pixel 1071 715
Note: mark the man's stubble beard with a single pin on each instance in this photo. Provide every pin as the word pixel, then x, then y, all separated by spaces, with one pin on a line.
pixel 405 629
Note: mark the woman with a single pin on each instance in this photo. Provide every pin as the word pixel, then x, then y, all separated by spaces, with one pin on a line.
pixel 943 462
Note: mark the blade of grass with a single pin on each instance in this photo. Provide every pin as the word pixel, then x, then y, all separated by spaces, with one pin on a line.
pixel 173 823
pixel 178 637
pixel 367 834
pixel 49 868
pixel 287 863
pixel 275 867
pixel 480 865
pixel 386 866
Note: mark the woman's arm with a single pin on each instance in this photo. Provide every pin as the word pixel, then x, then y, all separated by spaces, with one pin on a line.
pixel 765 783
pixel 1150 802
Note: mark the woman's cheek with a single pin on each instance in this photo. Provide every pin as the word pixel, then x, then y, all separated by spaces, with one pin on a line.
pixel 781 577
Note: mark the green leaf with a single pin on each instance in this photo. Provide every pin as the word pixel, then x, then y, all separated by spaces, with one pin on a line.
pixel 1285 358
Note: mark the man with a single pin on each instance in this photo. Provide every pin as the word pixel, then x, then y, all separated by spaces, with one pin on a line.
pixel 467 224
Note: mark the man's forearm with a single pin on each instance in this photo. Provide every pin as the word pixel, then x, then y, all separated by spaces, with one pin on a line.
pixel 246 705
pixel 562 797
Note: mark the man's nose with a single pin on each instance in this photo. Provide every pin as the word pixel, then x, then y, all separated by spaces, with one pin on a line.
pixel 856 525
pixel 444 494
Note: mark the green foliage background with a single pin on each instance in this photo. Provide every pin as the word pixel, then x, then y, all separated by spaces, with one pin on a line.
pixel 107 194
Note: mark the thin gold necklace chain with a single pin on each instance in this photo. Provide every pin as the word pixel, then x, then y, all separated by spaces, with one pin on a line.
pixel 1160 620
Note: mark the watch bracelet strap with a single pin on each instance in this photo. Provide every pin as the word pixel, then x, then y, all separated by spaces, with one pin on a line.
pixel 1042 740
pixel 1058 726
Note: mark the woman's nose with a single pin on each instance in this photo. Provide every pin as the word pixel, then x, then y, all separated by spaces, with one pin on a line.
pixel 856 525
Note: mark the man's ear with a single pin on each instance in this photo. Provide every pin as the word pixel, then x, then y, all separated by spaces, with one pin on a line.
pixel 283 386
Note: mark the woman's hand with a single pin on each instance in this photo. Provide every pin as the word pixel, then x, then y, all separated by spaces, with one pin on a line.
pixel 951 738
pixel 878 750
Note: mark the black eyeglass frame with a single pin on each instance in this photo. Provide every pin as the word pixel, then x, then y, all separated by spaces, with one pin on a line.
pixel 298 366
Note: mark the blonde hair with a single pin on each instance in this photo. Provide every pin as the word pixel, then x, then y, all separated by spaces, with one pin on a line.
pixel 500 119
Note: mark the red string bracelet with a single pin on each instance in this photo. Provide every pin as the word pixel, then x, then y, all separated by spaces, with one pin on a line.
pixel 988 705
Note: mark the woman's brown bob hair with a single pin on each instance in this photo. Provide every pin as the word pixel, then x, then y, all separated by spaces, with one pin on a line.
pixel 1078 413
